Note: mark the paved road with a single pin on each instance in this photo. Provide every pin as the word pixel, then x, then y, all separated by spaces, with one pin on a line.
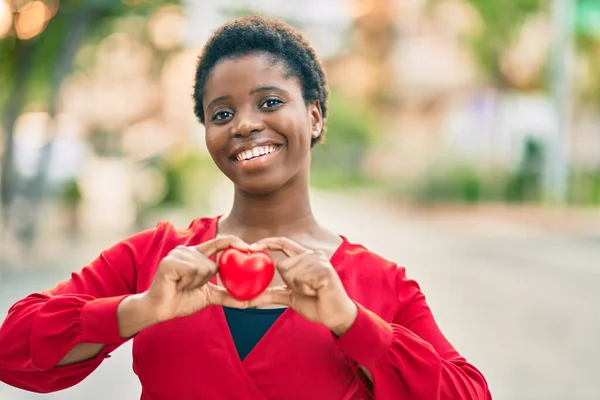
pixel 520 303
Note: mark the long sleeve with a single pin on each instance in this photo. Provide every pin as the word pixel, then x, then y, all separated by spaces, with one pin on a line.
pixel 42 328
pixel 410 358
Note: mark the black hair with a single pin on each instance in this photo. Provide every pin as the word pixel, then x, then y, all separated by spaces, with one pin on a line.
pixel 256 34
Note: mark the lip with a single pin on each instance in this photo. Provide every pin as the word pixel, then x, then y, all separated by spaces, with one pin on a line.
pixel 235 150
pixel 258 163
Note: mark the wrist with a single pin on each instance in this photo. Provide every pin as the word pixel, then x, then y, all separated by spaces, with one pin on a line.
pixel 135 314
pixel 146 308
pixel 346 321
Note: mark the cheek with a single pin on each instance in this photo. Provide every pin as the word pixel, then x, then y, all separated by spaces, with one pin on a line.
pixel 303 139
pixel 213 137
pixel 214 144
pixel 296 128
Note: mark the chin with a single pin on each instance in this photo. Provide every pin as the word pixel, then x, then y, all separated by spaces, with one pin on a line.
pixel 259 186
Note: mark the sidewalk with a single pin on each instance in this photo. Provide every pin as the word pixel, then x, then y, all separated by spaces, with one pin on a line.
pixel 514 292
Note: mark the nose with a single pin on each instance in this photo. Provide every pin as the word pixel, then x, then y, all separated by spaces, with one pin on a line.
pixel 247 123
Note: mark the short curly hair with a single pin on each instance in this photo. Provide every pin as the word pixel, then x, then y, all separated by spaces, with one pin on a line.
pixel 257 34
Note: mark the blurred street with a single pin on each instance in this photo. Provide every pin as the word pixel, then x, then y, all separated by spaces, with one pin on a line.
pixel 517 300
pixel 458 121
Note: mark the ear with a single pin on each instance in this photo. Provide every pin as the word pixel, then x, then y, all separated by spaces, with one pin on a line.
pixel 316 119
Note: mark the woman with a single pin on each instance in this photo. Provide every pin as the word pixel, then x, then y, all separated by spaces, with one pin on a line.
pixel 355 326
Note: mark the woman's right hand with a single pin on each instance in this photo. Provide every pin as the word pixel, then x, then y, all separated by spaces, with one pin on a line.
pixel 181 284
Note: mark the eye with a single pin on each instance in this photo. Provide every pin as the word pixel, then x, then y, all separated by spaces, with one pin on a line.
pixel 271 103
pixel 221 116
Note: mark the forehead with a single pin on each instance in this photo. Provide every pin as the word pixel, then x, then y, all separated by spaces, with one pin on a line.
pixel 247 72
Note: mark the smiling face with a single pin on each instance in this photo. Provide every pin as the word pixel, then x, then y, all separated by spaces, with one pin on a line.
pixel 258 126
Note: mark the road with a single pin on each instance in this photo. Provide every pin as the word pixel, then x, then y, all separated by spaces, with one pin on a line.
pixel 519 302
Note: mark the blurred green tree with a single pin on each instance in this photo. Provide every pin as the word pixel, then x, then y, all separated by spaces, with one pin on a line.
pixel 587 24
pixel 338 163
pixel 502 23
pixel 525 184
pixel 34 69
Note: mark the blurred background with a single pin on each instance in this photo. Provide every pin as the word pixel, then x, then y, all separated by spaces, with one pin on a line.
pixel 463 142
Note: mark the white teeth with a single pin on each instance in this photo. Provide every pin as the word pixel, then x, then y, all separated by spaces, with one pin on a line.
pixel 255 152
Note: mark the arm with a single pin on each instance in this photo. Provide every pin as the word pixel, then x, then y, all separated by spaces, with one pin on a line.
pixel 410 357
pixel 133 316
pixel 75 323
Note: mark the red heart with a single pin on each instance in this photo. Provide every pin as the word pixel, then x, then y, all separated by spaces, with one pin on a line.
pixel 245 275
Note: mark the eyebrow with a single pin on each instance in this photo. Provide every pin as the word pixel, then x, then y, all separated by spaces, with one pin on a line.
pixel 253 91
pixel 216 100
pixel 265 89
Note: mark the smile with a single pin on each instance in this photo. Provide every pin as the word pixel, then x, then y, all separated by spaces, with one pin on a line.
pixel 256 152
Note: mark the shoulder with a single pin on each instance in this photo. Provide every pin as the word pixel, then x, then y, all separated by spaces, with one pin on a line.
pixel 363 261
pixel 164 237
pixel 376 280
pixel 197 231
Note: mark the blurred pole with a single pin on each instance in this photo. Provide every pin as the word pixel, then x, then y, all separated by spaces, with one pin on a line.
pixel 561 72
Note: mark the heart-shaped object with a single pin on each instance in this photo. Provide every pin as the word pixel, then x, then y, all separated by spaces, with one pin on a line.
pixel 245 275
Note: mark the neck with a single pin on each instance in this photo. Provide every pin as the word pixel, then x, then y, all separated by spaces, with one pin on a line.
pixel 282 213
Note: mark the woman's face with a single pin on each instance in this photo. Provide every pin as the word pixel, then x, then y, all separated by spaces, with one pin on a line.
pixel 258 127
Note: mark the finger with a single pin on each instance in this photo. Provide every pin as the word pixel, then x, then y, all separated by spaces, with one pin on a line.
pixel 274 295
pixel 306 290
pixel 220 243
pixel 187 273
pixel 306 280
pixel 181 253
pixel 203 268
pixel 190 269
pixel 207 269
pixel 295 261
pixel 221 297
pixel 198 281
pixel 283 244
pixel 191 255
pixel 204 261
pixel 311 280
pixel 291 267
pixel 289 275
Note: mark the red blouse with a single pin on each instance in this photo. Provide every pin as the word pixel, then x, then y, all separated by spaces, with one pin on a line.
pixel 395 336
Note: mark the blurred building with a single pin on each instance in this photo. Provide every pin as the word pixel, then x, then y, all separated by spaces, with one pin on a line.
pixel 127 106
pixel 409 61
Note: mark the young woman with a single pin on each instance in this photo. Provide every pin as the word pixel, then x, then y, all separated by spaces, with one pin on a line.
pixel 338 322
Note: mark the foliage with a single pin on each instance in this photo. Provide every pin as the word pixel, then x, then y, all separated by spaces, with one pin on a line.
pixel 584 188
pixel 588 48
pixel 233 12
pixel 460 183
pixel 187 178
pixel 464 183
pixel 70 193
pixel 526 183
pixel 49 46
pixel 32 73
pixel 349 133
pixel 502 21
pixel 341 181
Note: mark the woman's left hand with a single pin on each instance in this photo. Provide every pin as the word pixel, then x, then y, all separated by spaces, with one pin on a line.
pixel 314 289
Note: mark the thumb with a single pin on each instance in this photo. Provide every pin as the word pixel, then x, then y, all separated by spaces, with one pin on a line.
pixel 273 295
pixel 219 296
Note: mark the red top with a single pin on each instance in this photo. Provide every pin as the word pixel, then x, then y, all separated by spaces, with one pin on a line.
pixel 395 336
